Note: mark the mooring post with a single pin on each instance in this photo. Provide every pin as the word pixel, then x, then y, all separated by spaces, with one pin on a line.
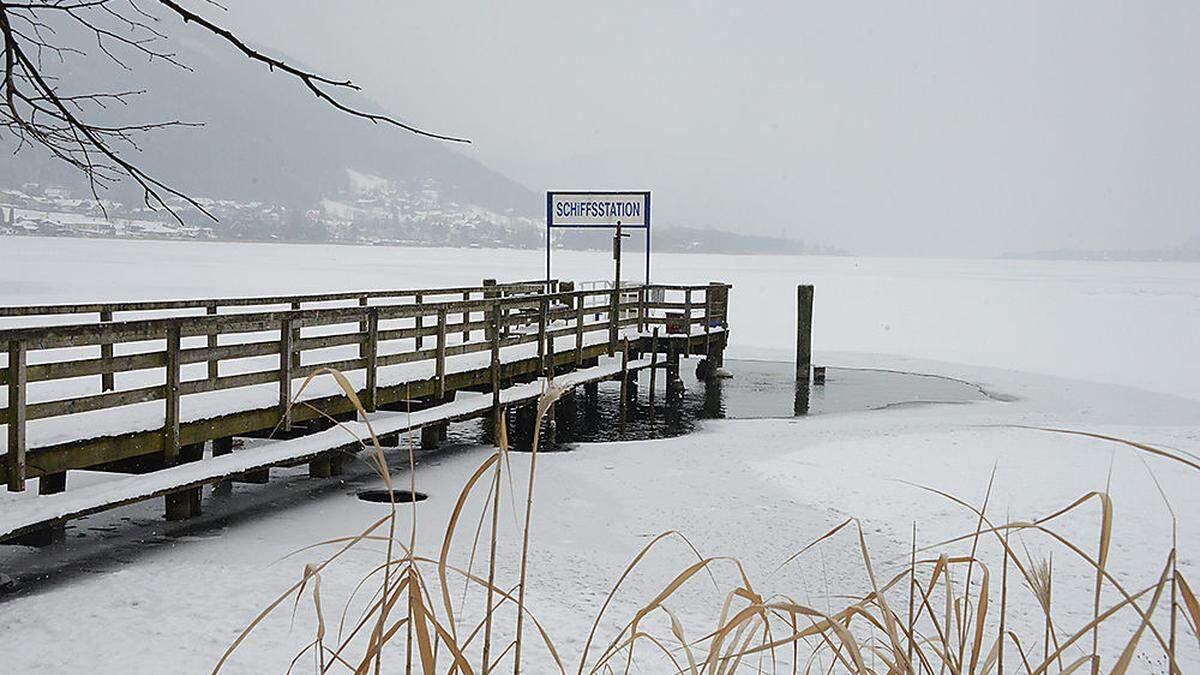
pixel 106 353
pixel 804 308
pixel 17 384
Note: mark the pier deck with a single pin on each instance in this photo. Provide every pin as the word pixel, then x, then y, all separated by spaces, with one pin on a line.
pixel 144 395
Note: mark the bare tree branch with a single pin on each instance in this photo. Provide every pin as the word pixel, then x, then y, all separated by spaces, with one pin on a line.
pixel 36 112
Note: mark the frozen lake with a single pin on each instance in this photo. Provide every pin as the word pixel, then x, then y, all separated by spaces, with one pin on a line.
pixel 1126 323
pixel 1105 347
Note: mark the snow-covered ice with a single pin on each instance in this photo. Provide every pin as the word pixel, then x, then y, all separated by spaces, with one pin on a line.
pixel 1104 347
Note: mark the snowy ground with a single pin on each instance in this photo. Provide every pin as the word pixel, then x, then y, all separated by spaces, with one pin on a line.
pixel 1098 346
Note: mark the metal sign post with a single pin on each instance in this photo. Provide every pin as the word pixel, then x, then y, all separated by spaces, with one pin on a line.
pixel 599 209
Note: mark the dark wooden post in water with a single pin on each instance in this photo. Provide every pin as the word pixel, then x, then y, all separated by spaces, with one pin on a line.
pixel 17 383
pixel 420 323
pixel 494 338
pixel 804 309
pixel 579 330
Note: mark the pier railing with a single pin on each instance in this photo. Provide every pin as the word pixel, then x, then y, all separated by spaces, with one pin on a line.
pixel 58 371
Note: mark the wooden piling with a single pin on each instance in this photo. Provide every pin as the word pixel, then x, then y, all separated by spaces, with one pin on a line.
pixel 804 310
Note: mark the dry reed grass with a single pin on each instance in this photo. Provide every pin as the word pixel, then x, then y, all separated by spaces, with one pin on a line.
pixel 937 615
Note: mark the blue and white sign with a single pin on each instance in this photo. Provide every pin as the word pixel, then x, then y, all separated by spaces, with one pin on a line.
pixel 598 209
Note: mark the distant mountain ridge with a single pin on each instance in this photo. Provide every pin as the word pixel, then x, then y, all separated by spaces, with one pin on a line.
pixel 273 162
pixel 265 137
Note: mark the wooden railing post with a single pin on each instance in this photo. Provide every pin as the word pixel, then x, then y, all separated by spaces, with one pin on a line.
pixel 624 403
pixel 363 327
pixel 441 353
pixel 372 356
pixel 420 322
pixel 170 430
pixel 613 318
pixel 579 330
pixel 286 353
pixel 641 310
pixel 707 323
pixel 466 319
pixel 295 338
pixel 495 340
pixel 653 362
pixel 543 317
pixel 106 353
pixel 17 382
pixel 211 342
pixel 687 310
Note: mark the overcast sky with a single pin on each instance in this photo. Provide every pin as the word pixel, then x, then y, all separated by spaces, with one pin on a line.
pixel 935 128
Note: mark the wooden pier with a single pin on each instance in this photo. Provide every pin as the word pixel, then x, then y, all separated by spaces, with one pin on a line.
pixel 143 388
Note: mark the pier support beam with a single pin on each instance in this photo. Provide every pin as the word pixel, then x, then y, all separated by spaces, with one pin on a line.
pixel 430 436
pixel 185 503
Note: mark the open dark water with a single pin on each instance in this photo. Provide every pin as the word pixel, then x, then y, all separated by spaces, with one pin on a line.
pixel 758 389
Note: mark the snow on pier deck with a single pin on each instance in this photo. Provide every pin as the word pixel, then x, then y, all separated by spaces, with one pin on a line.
pixel 144 396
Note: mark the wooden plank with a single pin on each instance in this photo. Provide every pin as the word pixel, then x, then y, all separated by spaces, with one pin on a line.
pixel 60 370
pixel 170 430
pixel 16 416
pixel 112 399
